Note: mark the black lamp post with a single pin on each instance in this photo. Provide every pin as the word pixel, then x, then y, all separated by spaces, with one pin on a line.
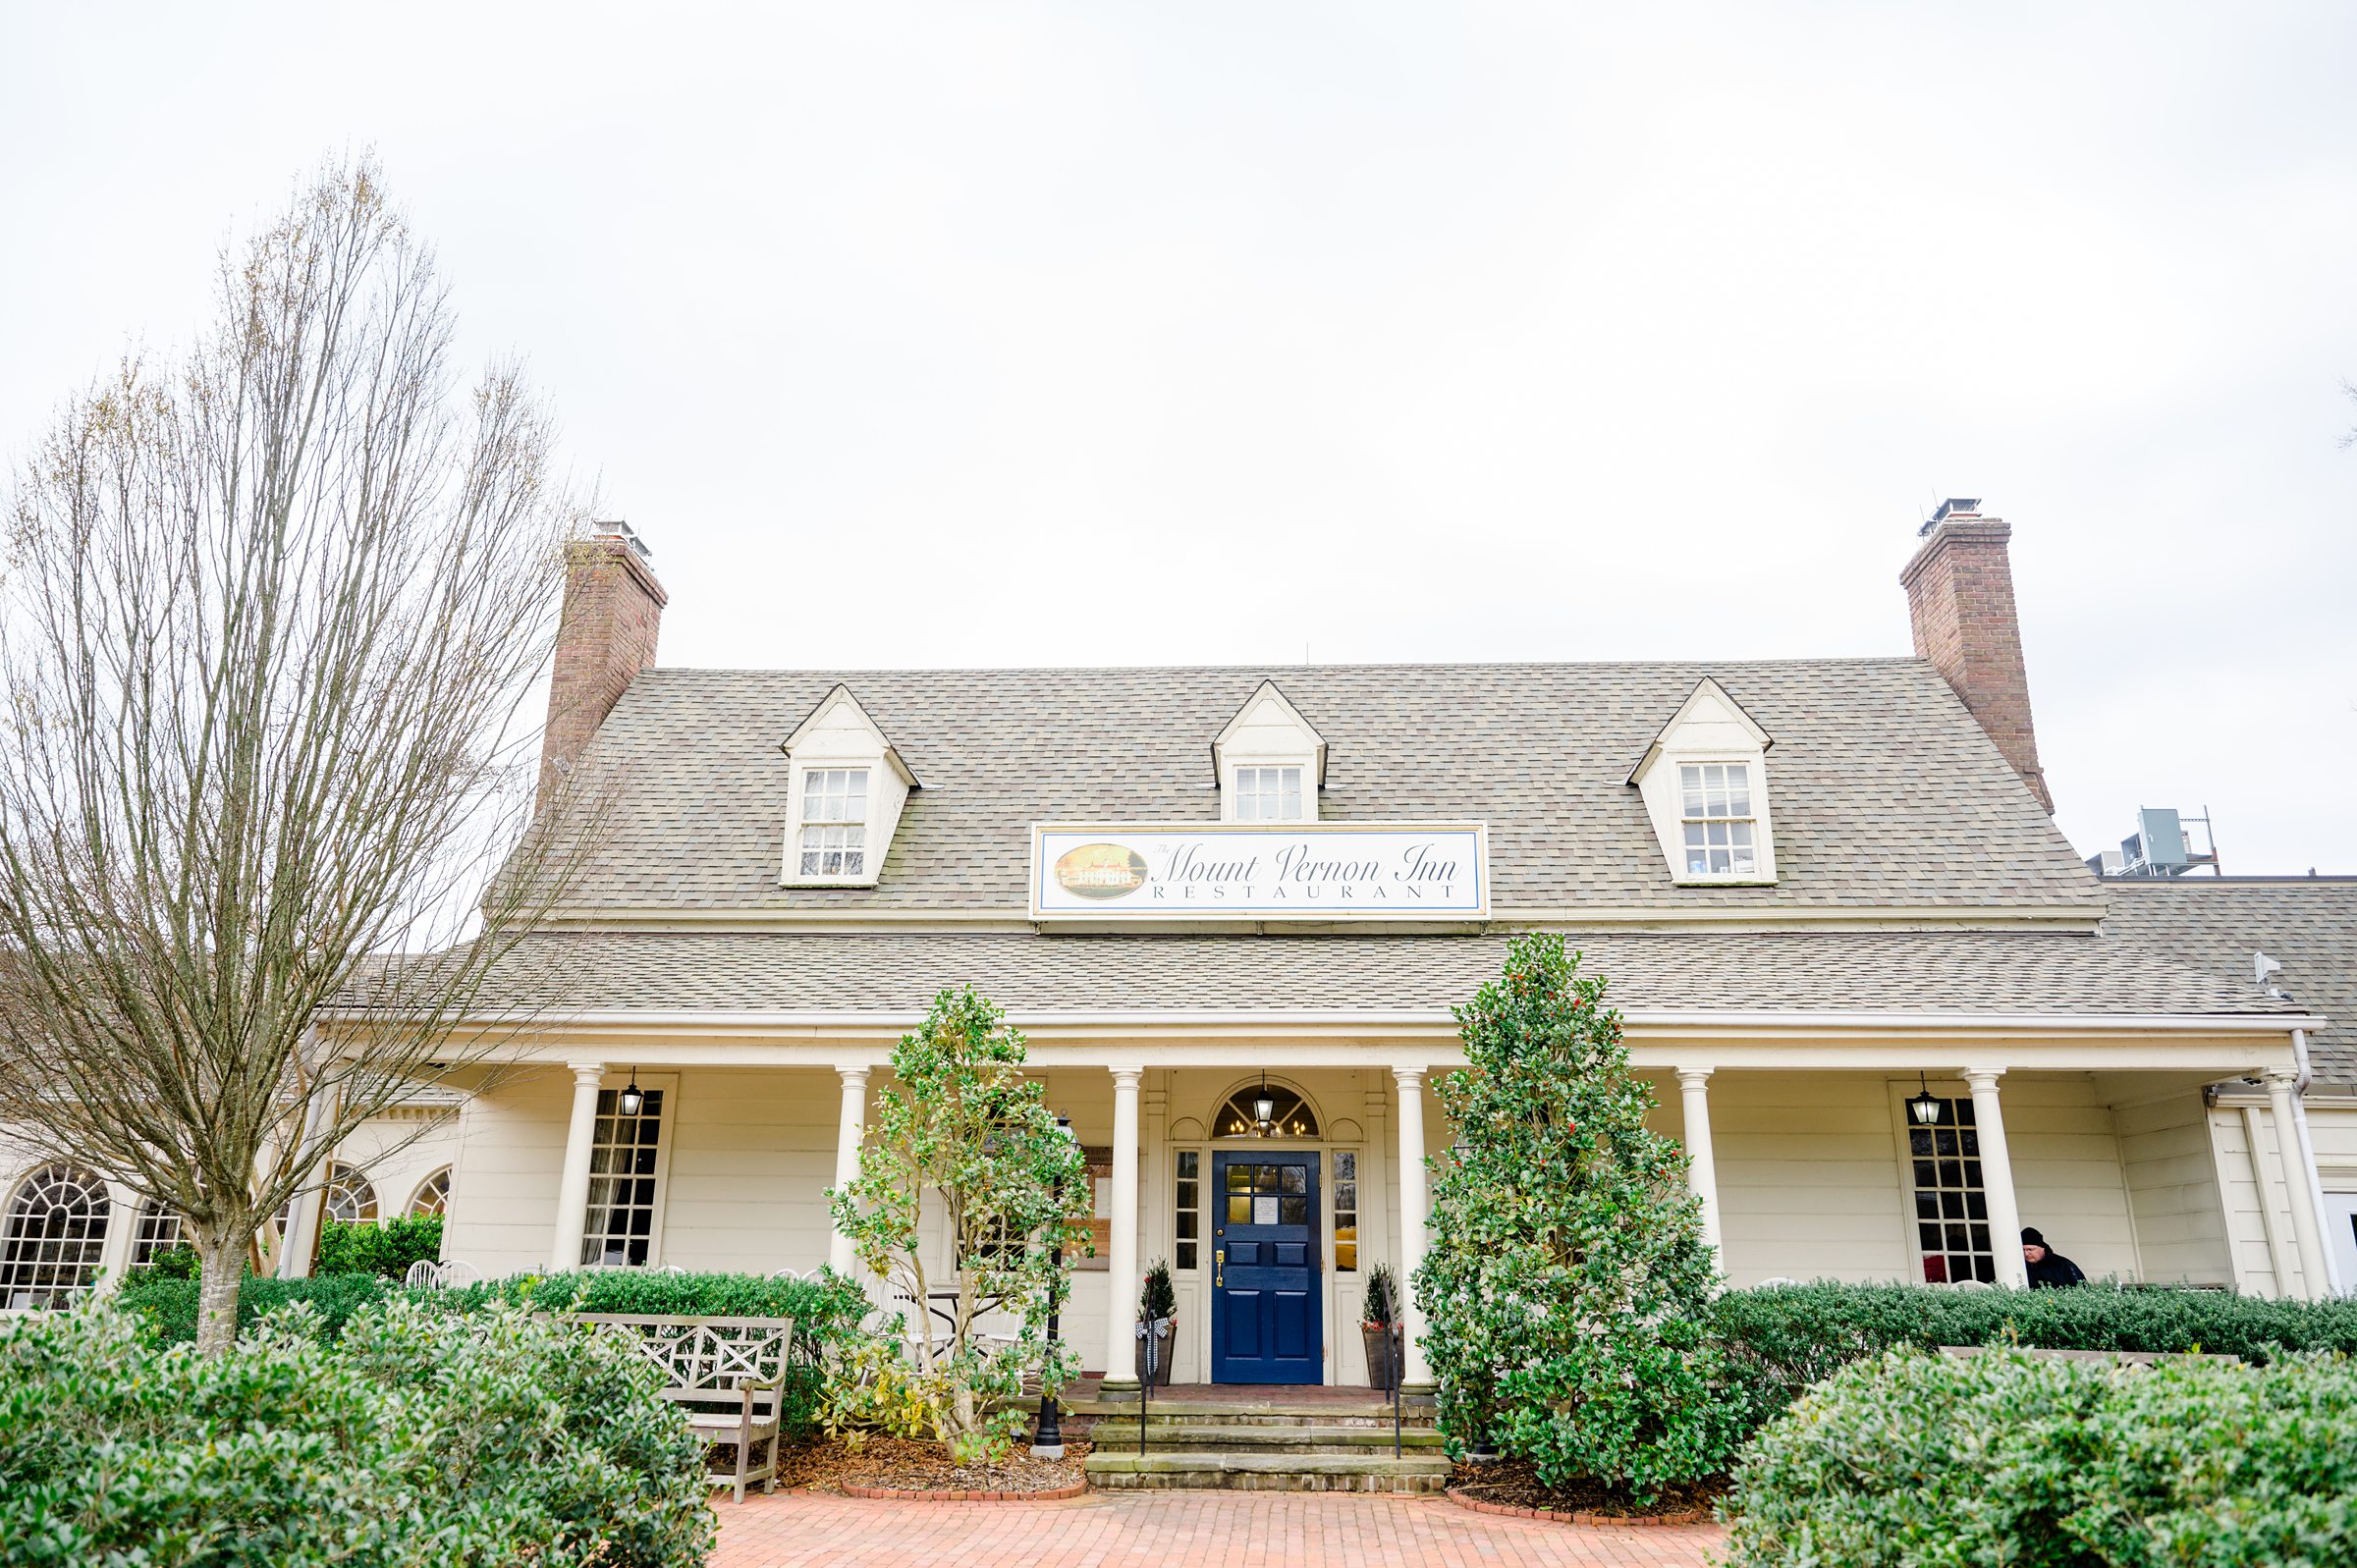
pixel 1047 1438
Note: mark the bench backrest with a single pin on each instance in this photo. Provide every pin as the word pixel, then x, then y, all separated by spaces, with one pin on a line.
pixel 721 1354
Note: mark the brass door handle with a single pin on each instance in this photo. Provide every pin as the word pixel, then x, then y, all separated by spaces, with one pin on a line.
pixel 1219 1267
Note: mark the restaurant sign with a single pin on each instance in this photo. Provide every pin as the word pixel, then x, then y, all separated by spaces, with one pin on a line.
pixel 1142 872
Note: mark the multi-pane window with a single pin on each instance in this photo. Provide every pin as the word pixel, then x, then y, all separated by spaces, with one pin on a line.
pixel 1951 1208
pixel 433 1194
pixel 56 1232
pixel 351 1196
pixel 1268 794
pixel 158 1230
pixel 833 824
pixel 1188 1202
pixel 621 1226
pixel 1345 1210
pixel 1722 834
pixel 1268 1195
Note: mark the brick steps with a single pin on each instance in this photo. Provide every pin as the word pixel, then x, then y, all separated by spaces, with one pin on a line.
pixel 1315 1446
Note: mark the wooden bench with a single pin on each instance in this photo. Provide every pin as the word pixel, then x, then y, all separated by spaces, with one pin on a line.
pixel 730 1373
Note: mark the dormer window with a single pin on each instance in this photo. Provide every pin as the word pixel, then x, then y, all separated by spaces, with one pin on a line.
pixel 835 823
pixel 1268 794
pixel 1722 834
pixel 848 787
pixel 1704 782
pixel 1268 762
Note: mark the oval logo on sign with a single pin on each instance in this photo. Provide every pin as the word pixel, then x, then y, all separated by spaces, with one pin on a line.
pixel 1100 871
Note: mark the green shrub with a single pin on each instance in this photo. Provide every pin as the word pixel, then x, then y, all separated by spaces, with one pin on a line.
pixel 419 1439
pixel 364 1247
pixel 826 1310
pixel 1917 1458
pixel 1781 1339
pixel 1568 1286
pixel 167 1307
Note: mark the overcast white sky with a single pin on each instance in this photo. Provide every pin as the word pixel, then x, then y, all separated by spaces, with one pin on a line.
pixel 995 333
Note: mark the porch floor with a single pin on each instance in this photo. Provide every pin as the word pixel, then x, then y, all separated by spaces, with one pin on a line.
pixel 1086 1398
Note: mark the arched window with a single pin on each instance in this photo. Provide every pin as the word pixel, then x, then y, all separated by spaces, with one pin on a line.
pixel 1288 1114
pixel 433 1194
pixel 56 1230
pixel 350 1197
pixel 159 1230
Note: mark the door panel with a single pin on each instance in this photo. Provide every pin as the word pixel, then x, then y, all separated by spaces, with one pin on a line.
pixel 1267 1318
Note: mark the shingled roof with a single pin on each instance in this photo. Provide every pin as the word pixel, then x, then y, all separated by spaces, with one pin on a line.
pixel 1886 791
pixel 2308 924
pixel 1980 973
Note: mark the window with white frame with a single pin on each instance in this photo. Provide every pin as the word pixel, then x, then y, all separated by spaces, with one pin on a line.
pixel 833 825
pixel 55 1235
pixel 1952 1207
pixel 1187 1207
pixel 1722 834
pixel 433 1195
pixel 1268 794
pixel 350 1196
pixel 159 1230
pixel 620 1228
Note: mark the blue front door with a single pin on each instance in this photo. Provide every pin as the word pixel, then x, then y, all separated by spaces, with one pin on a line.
pixel 1266 1322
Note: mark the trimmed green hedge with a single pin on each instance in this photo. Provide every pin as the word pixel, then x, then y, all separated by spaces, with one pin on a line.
pixel 364 1247
pixel 1916 1459
pixel 1781 1339
pixel 826 1310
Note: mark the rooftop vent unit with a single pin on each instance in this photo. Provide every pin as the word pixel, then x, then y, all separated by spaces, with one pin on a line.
pixel 1956 507
pixel 2162 846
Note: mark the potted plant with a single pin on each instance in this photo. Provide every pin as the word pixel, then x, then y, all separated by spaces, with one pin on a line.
pixel 1158 1310
pixel 1379 1316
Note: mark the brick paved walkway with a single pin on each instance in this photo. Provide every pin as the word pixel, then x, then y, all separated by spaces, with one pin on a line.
pixel 1201 1529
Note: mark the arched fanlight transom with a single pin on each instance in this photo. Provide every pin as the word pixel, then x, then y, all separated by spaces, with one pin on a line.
pixel 1288 1115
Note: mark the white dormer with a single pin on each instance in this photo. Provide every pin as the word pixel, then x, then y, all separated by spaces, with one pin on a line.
pixel 1704 781
pixel 1270 762
pixel 845 797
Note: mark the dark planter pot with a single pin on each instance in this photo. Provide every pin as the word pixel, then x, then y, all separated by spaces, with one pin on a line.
pixel 1383 1357
pixel 1165 1353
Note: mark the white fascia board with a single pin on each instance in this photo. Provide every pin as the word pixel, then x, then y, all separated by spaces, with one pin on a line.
pixel 2080 919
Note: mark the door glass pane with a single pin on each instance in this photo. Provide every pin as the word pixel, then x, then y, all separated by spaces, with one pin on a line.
pixel 1293 1179
pixel 1292 1212
pixel 1240 1178
pixel 1240 1209
pixel 1264 1178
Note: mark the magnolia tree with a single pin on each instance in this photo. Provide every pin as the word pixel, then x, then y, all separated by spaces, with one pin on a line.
pixel 964 1144
pixel 1568 1277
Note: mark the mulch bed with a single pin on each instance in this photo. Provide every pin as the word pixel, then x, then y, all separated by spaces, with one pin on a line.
pixel 893 1467
pixel 1511 1487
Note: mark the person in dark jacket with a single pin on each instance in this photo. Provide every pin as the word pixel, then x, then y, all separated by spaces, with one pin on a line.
pixel 2048 1268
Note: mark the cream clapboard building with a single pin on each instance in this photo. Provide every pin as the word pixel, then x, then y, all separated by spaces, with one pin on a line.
pixel 1232 909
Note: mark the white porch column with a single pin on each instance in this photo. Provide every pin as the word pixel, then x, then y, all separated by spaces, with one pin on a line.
pixel 573 1188
pixel 1416 1212
pixel 2278 1246
pixel 1996 1177
pixel 1120 1274
pixel 309 1206
pixel 2306 1226
pixel 848 1133
pixel 1702 1168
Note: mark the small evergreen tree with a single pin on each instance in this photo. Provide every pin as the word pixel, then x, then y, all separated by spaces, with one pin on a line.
pixel 1566 1279
pixel 963 1128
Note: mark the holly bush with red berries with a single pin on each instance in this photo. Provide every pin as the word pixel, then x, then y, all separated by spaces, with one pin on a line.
pixel 1566 1286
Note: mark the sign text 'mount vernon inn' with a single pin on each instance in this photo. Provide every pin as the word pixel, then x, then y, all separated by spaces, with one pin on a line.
pixel 1260 871
pixel 1821 888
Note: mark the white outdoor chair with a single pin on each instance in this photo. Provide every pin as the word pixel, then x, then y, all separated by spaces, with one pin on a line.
pixel 457 1271
pixel 423 1274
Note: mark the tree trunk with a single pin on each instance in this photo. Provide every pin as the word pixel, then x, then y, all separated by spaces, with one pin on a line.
pixel 221 1263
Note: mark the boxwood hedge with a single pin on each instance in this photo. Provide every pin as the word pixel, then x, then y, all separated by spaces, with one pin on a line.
pixel 416 1439
pixel 1915 1458
pixel 1780 1339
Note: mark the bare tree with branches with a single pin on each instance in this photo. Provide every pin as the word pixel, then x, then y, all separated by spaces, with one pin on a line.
pixel 268 617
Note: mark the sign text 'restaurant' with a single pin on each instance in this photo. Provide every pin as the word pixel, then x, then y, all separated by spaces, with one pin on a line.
pixel 1260 871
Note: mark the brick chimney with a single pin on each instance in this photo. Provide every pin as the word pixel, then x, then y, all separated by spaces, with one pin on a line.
pixel 1960 598
pixel 605 636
